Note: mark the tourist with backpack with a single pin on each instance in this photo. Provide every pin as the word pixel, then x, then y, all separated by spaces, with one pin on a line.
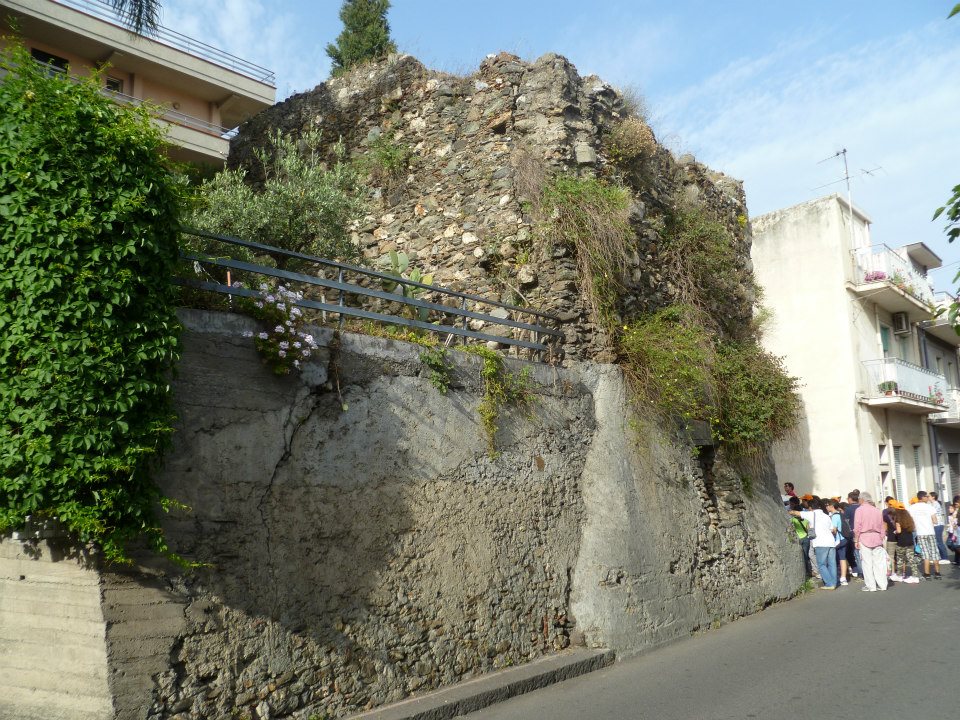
pixel 823 541
pixel 839 523
pixel 800 527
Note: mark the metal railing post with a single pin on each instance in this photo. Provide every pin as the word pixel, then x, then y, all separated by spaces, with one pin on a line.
pixel 340 299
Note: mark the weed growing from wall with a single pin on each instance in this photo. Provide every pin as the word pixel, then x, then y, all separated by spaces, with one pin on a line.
pixel 668 356
pixel 439 366
pixel 629 141
pixel 88 243
pixel 501 388
pixel 386 159
pixel 699 257
pixel 592 217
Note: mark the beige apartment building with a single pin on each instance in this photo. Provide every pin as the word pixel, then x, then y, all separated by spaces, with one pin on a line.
pixel 856 323
pixel 203 93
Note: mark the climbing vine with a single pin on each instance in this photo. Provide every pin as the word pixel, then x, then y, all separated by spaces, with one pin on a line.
pixel 88 242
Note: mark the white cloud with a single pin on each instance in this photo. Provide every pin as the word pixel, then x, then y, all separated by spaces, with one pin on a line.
pixel 258 32
pixel 893 103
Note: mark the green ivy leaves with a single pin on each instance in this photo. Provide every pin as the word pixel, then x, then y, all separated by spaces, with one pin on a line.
pixel 88 217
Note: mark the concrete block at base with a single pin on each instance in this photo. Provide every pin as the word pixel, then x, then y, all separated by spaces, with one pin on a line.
pixel 492 688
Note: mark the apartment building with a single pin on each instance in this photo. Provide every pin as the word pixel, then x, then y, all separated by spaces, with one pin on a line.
pixel 856 322
pixel 203 93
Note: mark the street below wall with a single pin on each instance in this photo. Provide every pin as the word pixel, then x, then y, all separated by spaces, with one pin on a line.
pixel 826 654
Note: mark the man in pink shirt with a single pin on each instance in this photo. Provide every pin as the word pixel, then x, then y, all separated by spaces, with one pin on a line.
pixel 868 537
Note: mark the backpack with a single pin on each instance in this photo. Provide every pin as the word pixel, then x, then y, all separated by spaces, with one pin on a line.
pixel 845 527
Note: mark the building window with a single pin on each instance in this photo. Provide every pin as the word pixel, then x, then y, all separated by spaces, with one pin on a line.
pixel 54 63
pixel 885 339
pixel 114 84
pixel 898 473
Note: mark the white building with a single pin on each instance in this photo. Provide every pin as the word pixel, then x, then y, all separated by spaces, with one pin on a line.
pixel 855 322
pixel 202 93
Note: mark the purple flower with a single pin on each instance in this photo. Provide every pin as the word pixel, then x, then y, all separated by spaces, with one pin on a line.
pixel 278 329
pixel 296 344
pixel 281 353
pixel 281 307
pixel 296 364
pixel 284 344
pixel 263 336
pixel 247 333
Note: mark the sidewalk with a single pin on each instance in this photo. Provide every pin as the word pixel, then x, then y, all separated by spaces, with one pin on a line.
pixel 493 687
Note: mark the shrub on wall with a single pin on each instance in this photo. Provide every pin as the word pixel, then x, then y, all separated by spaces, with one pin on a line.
pixel 699 257
pixel 668 356
pixel 592 217
pixel 758 401
pixel 88 217
pixel 304 205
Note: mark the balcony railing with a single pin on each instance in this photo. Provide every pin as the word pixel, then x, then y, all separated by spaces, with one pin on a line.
pixel 171 38
pixel 952 415
pixel 890 377
pixel 878 263
pixel 175 116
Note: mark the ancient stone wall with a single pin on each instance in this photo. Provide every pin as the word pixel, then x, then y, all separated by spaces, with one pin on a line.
pixel 482 147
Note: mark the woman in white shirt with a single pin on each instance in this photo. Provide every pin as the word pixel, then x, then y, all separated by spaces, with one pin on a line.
pixel 824 543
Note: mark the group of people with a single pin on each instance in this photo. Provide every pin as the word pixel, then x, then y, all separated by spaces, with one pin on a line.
pixel 899 543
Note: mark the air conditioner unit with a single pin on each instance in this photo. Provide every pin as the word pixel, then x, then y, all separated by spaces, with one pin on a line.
pixel 901 323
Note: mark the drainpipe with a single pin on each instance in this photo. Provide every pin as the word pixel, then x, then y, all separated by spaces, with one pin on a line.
pixel 931 430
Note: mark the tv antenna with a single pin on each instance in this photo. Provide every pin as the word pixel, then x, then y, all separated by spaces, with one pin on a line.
pixel 842 153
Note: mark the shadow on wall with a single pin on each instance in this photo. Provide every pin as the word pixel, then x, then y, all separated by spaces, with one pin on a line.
pixel 370 552
pixel 794 462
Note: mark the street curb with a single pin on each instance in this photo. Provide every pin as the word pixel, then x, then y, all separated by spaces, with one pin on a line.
pixel 492 688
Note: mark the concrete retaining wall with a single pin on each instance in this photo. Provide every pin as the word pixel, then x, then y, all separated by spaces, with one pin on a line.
pixel 363 545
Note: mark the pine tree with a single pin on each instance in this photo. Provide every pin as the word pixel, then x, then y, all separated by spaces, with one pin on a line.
pixel 365 36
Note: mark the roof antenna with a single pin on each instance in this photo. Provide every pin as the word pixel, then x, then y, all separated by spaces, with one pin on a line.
pixel 846 178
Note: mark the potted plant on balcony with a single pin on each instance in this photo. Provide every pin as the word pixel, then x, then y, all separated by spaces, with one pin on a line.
pixel 936 395
pixel 888 387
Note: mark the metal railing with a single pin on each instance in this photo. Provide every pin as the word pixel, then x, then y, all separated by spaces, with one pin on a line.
pixel 952 398
pixel 539 333
pixel 175 116
pixel 897 378
pixel 943 299
pixel 879 263
pixel 104 11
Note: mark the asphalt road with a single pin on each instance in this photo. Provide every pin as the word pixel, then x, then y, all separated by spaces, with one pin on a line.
pixel 843 654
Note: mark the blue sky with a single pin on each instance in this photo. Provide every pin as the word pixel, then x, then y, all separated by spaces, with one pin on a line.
pixel 759 90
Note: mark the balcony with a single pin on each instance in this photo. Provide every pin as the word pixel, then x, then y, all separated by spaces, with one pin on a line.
pixel 950 418
pixel 171 38
pixel 941 327
pixel 164 65
pixel 892 281
pixel 905 387
pixel 199 140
